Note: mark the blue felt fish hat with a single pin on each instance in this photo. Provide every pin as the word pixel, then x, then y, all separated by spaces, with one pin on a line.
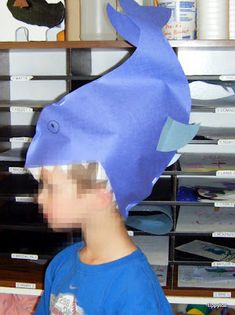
pixel 131 120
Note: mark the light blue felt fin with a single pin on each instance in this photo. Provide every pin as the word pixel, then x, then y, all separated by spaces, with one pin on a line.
pixel 157 16
pixel 175 135
pixel 124 26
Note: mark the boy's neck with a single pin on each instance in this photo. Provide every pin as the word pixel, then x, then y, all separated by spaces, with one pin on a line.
pixel 106 239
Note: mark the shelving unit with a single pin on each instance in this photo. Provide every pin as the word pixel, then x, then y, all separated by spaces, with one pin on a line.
pixel 13 271
pixel 190 53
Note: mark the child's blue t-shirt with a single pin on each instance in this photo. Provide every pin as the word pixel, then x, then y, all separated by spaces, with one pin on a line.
pixel 127 286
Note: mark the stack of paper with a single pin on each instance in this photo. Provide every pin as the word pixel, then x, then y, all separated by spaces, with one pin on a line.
pixel 215 158
pixel 209 250
pixel 207 188
pixel 206 277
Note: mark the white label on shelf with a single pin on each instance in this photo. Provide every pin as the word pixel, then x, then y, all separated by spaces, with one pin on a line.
pixel 225 110
pixel 17 170
pixel 227 77
pixel 224 234
pixel 24 256
pixel 226 142
pixel 224 204
pixel 21 139
pixel 225 173
pixel 222 264
pixel 130 233
pixel 21 77
pixel 24 199
pixel 23 285
pixel 222 294
pixel 20 109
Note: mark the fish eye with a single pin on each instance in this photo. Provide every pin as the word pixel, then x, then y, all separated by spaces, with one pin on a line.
pixel 53 126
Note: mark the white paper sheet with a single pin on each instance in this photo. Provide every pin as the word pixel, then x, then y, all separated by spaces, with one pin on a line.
pixel 203 161
pixel 156 248
pixel 209 250
pixel 205 219
pixel 205 91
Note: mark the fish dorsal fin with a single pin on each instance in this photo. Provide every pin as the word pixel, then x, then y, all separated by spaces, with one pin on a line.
pixel 136 18
pixel 124 25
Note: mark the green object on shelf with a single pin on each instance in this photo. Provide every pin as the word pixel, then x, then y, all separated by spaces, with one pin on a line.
pixel 195 309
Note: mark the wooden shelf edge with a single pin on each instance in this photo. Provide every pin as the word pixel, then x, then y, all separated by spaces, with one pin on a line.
pixel 8 287
pixel 65 44
pixel 202 43
pixel 112 44
pixel 197 292
pixel 201 300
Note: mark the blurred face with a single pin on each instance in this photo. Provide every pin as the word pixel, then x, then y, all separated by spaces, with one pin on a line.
pixel 64 203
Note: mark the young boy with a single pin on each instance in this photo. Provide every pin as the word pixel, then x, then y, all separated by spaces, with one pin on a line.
pixel 98 152
pixel 105 274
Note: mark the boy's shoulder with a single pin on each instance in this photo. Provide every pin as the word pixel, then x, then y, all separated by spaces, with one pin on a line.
pixel 132 273
pixel 139 273
pixel 139 280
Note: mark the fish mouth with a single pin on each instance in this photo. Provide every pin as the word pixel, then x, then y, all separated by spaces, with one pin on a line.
pixel 38 12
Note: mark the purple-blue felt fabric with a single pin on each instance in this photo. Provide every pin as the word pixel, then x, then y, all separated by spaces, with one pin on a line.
pixel 131 120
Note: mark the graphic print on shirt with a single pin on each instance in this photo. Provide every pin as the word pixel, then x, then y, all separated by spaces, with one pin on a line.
pixel 65 304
